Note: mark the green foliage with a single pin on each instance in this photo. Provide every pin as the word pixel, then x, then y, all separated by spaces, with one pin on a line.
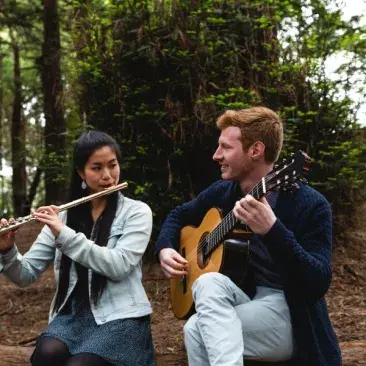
pixel 157 74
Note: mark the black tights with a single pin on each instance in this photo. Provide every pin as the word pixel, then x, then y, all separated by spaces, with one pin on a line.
pixel 52 352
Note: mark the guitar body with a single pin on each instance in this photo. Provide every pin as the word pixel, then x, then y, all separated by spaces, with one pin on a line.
pixel 224 259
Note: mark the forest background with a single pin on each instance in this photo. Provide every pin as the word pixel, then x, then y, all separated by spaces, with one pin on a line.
pixel 156 74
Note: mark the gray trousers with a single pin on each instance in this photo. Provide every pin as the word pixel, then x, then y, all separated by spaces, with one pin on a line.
pixel 229 325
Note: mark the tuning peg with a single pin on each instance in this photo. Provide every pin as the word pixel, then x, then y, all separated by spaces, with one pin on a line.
pixel 294 186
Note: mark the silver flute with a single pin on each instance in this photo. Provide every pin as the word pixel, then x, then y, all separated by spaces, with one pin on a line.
pixel 24 220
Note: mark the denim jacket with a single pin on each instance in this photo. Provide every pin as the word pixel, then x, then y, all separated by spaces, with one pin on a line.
pixel 120 261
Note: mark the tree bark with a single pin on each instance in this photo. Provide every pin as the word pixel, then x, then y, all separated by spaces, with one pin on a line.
pixel 2 195
pixel 19 178
pixel 34 185
pixel 55 127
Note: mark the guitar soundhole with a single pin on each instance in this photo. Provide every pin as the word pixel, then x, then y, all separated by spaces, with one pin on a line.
pixel 202 255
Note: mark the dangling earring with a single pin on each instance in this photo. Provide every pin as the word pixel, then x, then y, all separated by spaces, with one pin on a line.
pixel 83 185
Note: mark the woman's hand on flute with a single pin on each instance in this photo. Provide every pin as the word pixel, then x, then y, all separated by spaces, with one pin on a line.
pixel 49 216
pixel 7 238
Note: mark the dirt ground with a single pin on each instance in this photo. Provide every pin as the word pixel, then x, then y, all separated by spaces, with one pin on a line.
pixel 23 312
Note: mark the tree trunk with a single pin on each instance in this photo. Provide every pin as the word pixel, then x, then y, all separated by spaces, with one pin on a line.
pixel 55 128
pixel 19 179
pixel 34 185
pixel 2 195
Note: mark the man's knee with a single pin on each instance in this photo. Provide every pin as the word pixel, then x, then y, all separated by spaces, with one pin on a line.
pixel 208 283
pixel 190 328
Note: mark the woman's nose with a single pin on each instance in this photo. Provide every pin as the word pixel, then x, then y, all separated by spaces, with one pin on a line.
pixel 106 174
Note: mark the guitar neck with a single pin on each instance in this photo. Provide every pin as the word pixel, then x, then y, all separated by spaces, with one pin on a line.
pixel 228 223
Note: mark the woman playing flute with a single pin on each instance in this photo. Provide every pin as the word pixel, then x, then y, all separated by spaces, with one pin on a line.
pixel 100 314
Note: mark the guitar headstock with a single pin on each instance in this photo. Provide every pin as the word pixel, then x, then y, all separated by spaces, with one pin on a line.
pixel 286 174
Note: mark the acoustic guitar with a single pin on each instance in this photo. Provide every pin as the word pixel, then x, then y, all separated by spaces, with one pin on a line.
pixel 214 245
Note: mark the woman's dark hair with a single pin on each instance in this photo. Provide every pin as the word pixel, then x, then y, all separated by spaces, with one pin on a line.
pixel 80 219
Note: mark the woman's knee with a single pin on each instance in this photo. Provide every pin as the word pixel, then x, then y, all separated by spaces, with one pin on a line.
pixel 87 359
pixel 49 351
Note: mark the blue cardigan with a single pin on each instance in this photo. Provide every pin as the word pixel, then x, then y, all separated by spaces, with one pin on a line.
pixel 300 242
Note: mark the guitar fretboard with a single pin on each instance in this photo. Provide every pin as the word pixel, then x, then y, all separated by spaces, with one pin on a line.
pixel 213 239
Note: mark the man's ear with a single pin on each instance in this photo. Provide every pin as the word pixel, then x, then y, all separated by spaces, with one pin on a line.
pixel 257 150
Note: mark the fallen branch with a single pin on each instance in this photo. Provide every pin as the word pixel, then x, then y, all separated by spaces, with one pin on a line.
pixel 29 341
pixel 8 308
pixel 15 355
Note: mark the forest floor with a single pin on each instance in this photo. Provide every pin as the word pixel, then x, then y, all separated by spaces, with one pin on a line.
pixel 24 312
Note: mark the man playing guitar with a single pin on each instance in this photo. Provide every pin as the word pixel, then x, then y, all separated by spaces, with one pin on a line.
pixel 280 312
